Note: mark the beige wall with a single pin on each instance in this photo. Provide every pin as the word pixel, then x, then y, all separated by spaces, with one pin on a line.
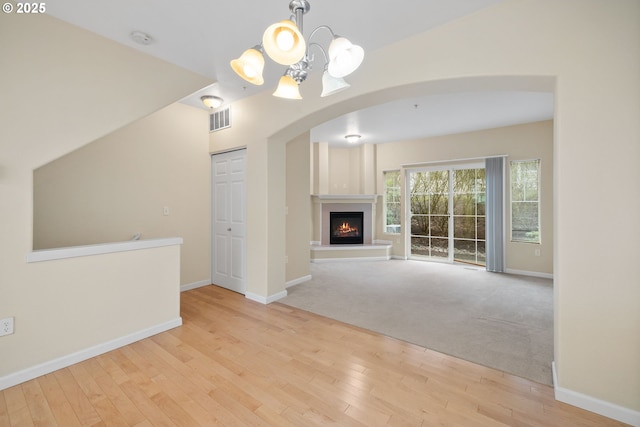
pixel 118 186
pixel 298 208
pixel 62 88
pixel 583 50
pixel 521 142
pixel 344 170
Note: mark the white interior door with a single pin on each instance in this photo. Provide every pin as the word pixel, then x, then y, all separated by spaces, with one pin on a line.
pixel 228 213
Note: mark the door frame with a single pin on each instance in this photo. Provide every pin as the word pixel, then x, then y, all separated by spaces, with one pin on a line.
pixel 436 166
pixel 212 250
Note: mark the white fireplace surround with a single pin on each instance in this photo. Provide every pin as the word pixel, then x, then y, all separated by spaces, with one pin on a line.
pixel 364 203
pixel 370 249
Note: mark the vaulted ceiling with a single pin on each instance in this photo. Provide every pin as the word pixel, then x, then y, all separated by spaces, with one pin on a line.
pixel 204 35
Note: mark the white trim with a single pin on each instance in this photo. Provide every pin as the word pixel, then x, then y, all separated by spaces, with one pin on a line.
pixel 321 260
pixel 372 197
pixel 267 300
pixel 195 285
pixel 464 160
pixel 601 407
pixel 70 359
pixel 104 248
pixel 229 150
pixel 332 248
pixel 529 273
pixel 297 281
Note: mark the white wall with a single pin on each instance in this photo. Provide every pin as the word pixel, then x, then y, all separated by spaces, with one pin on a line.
pixel 585 51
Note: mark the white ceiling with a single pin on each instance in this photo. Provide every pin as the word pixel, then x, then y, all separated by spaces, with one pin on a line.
pixel 414 118
pixel 204 35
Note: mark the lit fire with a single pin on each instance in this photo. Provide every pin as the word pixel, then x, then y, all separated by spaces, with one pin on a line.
pixel 345 229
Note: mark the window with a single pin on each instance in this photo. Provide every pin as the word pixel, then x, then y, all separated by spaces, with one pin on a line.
pixel 525 201
pixel 392 201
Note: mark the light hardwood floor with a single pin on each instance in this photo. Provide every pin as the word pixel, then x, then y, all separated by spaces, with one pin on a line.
pixel 235 362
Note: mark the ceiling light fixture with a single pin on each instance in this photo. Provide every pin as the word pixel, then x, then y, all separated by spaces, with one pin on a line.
pixel 211 101
pixel 352 139
pixel 285 44
pixel 141 38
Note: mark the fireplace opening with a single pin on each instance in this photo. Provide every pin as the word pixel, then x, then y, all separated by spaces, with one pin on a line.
pixel 346 228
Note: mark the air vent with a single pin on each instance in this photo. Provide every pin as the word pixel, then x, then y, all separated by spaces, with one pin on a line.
pixel 220 120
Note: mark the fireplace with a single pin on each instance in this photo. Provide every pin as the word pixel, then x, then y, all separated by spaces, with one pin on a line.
pixel 346 228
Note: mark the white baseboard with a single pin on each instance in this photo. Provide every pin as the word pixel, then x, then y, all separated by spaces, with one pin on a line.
pixel 591 404
pixel 195 285
pixel 70 359
pixel 298 281
pixel 265 300
pixel 529 273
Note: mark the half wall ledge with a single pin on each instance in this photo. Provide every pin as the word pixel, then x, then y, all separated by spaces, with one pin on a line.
pixel 99 249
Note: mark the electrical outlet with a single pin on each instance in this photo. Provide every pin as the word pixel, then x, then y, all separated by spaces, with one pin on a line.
pixel 537 252
pixel 6 326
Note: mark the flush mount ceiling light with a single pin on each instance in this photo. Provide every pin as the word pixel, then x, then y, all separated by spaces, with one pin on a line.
pixel 211 101
pixel 285 44
pixel 352 139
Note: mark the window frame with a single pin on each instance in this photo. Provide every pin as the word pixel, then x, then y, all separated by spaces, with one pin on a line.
pixel 538 239
pixel 386 202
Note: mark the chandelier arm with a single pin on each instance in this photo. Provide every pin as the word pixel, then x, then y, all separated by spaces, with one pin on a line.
pixel 326 27
pixel 324 53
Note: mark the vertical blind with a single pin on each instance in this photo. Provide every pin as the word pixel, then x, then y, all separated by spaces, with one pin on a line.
pixel 494 170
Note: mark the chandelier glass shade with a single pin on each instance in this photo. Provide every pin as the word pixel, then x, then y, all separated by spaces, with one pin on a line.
pixel 287 88
pixel 249 66
pixel 344 57
pixel 331 85
pixel 285 44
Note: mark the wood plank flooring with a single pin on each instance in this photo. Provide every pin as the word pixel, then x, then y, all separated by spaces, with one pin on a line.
pixel 235 362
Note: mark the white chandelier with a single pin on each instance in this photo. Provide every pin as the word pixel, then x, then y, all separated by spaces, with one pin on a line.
pixel 284 43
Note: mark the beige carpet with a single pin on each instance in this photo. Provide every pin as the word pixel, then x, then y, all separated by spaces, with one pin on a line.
pixel 498 320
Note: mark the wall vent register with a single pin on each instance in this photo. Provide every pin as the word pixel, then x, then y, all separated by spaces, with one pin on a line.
pixel 220 119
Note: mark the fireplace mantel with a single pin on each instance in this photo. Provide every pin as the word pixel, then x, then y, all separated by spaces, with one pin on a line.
pixel 345 198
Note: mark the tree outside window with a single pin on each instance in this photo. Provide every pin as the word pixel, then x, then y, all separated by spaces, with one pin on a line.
pixel 392 201
pixel 525 201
